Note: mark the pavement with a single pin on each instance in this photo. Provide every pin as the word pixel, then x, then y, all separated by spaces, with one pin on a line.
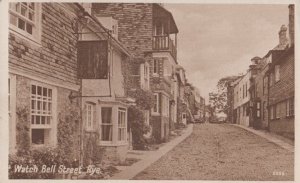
pixel 276 139
pixel 149 157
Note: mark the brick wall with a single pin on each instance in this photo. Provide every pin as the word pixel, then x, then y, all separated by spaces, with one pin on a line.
pixel 134 24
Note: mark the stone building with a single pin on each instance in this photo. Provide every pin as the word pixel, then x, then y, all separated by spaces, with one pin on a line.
pixel 42 74
pixel 149 32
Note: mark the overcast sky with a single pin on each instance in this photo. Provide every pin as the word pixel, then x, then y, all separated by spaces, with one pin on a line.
pixel 219 40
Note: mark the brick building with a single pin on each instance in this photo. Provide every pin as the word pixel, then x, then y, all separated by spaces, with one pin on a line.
pixel 146 31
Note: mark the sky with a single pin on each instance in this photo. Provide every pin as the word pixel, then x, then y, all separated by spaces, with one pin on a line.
pixel 215 41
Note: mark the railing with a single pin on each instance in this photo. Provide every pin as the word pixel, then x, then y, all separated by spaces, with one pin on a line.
pixel 164 43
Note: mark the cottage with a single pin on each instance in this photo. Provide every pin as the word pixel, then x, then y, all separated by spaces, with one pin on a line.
pixel 42 74
pixel 146 30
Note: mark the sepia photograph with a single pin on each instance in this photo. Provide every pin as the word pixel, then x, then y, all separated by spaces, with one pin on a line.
pixel 148 90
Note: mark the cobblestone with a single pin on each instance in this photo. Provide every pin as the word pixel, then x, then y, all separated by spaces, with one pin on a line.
pixel 223 152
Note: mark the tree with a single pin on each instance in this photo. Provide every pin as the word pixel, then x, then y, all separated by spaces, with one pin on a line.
pixel 218 100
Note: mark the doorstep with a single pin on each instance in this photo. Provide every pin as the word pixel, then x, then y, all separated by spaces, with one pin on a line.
pixel 149 157
pixel 270 137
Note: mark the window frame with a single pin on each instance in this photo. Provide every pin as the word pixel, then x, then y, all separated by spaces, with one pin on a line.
pixel 155 67
pixel 123 128
pixel 92 113
pixel 156 104
pixel 106 124
pixel 51 127
pixel 36 24
pixel 277 73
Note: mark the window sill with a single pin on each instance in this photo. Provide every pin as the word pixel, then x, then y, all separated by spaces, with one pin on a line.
pixel 289 117
pixel 155 114
pixel 111 144
pixel 34 41
pixel 155 75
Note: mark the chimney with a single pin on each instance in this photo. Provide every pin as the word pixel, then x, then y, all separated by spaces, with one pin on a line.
pixel 291 24
pixel 282 35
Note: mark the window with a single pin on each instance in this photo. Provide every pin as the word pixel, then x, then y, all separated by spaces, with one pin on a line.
pixel 41 114
pixel 271 112
pixel 263 110
pixel 165 106
pixel 24 18
pixel 12 112
pixel 258 109
pixel 155 67
pixel 246 89
pixel 277 73
pixel 290 107
pixel 121 124
pixel 265 81
pixel 106 124
pixel 144 76
pixel 156 103
pixel 271 79
pixel 90 115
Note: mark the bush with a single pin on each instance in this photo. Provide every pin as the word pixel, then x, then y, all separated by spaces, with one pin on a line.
pixel 139 128
pixel 38 158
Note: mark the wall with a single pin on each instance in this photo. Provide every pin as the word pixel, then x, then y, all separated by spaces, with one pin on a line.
pixel 134 24
pixel 53 63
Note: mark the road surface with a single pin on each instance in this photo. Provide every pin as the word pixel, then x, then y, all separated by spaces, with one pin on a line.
pixel 222 152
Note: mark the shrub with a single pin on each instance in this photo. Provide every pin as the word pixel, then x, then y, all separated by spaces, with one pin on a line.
pixel 38 157
pixel 138 127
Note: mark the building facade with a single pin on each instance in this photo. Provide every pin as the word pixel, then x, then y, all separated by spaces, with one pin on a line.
pixel 146 30
pixel 42 74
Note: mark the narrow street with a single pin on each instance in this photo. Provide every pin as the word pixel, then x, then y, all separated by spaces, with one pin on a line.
pixel 222 152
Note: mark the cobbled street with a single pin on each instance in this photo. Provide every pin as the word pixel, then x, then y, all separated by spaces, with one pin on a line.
pixel 223 152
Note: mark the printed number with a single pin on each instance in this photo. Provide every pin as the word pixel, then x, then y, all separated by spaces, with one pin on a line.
pixel 278 173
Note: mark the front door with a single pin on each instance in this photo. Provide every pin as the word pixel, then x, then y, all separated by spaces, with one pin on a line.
pixel 184 118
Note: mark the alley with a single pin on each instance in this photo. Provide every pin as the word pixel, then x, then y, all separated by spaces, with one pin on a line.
pixel 223 152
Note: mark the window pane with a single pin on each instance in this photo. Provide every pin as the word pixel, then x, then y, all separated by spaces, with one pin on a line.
pixel 45 92
pixel 21 24
pixel 106 132
pixel 106 114
pixel 39 90
pixel 37 136
pixel 37 120
pixel 13 19
pixel 33 87
pixel 32 119
pixel 23 10
pixel 43 120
